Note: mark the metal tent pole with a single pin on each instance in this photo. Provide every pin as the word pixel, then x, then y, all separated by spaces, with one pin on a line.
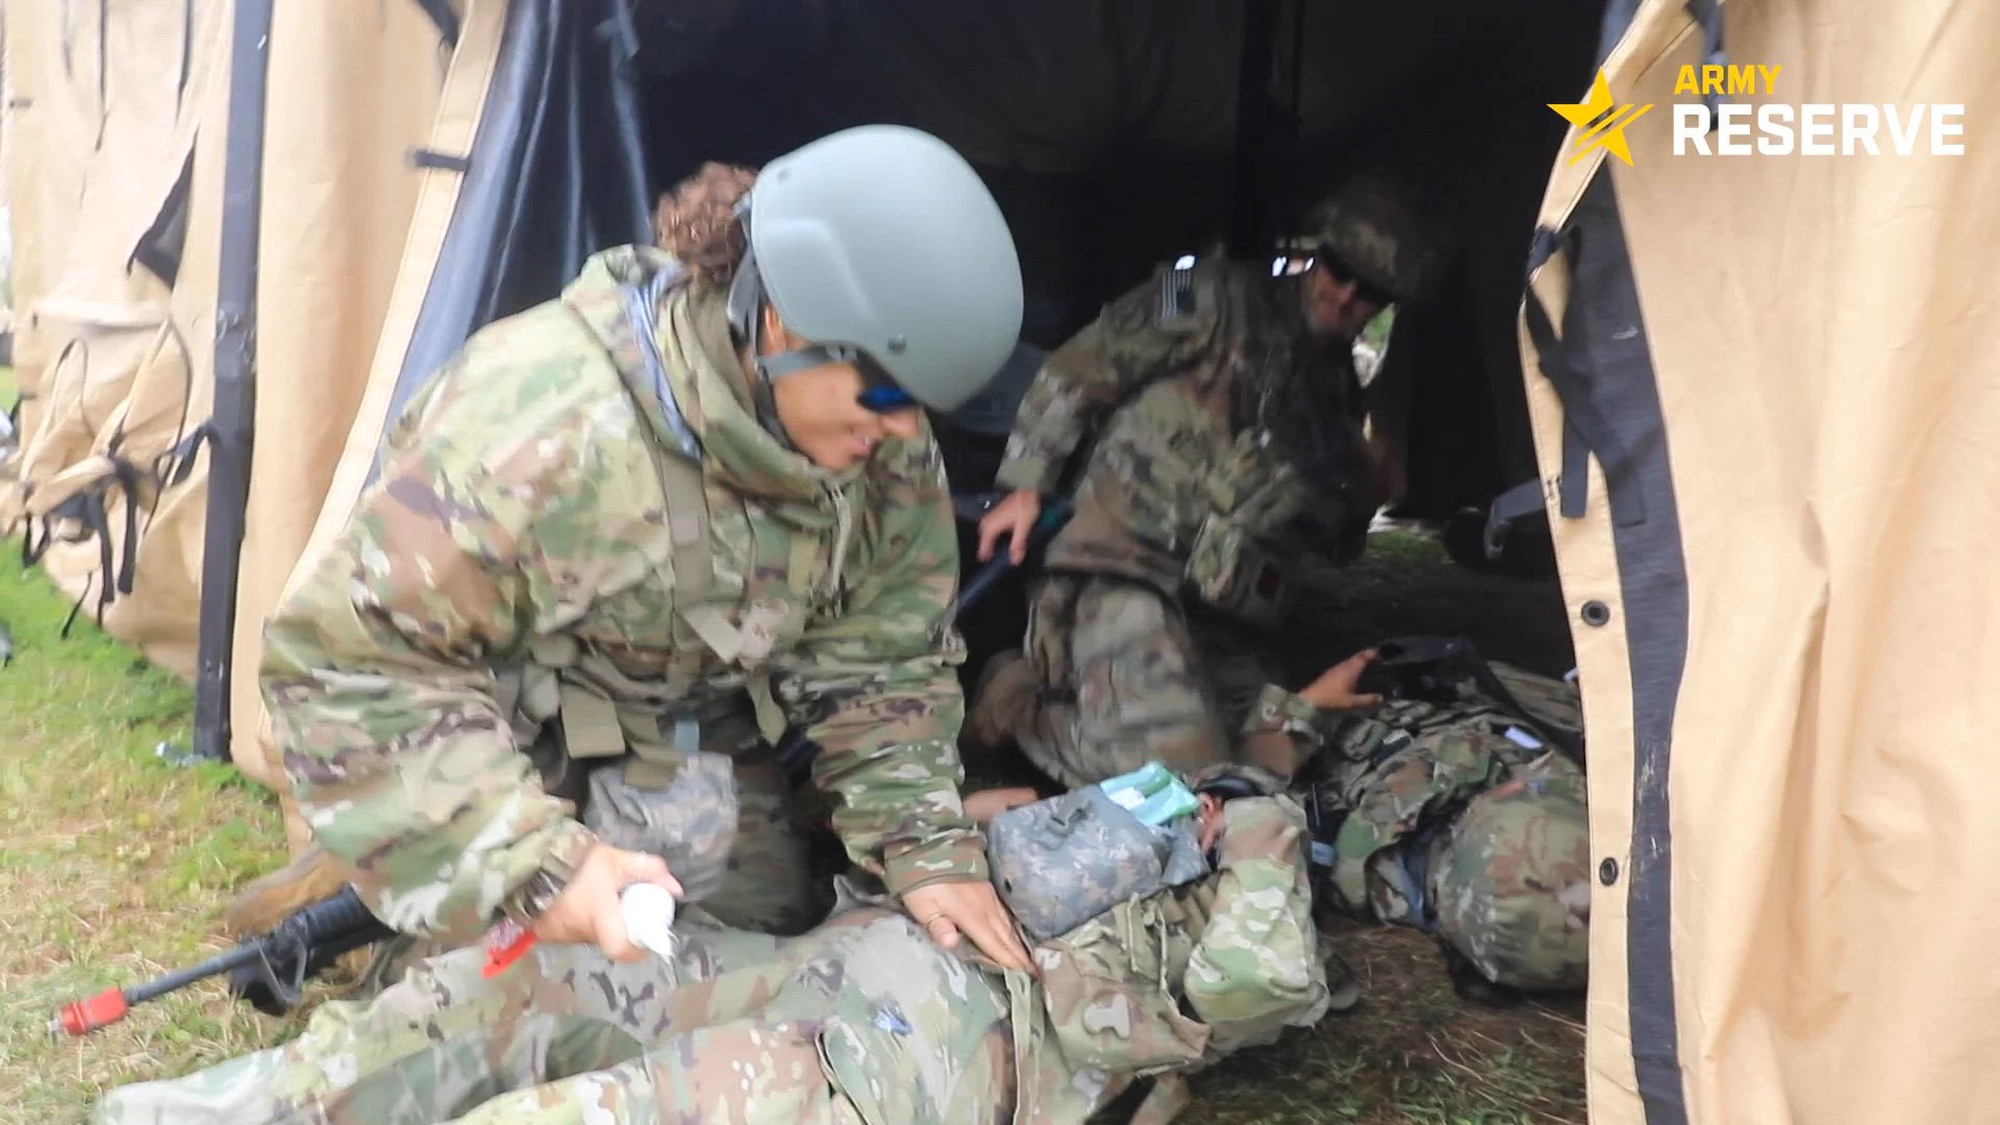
pixel 234 414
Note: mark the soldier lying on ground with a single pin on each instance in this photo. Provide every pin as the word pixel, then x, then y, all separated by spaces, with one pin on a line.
pixel 863 1018
pixel 1461 817
pixel 1465 819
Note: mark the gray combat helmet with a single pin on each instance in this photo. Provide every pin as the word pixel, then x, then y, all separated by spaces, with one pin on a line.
pixel 881 246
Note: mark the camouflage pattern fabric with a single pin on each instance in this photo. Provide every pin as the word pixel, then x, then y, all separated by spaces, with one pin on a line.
pixel 1457 819
pixel 1510 879
pixel 1062 861
pixel 691 821
pixel 865 1019
pixel 1123 676
pixel 1369 224
pixel 1180 979
pixel 521 503
pixel 1221 449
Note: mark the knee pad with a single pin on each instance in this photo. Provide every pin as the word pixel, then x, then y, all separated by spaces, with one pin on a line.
pixel 1509 881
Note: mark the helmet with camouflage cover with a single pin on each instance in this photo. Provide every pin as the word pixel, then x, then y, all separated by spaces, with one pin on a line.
pixel 1376 225
pixel 1510 880
pixel 881 246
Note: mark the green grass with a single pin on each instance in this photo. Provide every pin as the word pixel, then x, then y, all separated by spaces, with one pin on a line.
pixel 113 864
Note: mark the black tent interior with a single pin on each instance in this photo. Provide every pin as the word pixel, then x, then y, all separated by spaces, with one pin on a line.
pixel 1115 134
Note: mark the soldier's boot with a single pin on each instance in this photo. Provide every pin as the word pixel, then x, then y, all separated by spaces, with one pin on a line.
pixel 1002 701
pixel 268 900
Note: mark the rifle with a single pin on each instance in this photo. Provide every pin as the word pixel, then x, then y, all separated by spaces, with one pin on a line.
pixel 270 971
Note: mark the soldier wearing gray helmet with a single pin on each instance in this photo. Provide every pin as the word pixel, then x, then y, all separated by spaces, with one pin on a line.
pixel 628 536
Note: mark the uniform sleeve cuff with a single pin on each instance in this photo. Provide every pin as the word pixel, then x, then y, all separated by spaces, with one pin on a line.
pixel 1029 473
pixel 558 866
pixel 960 857
pixel 1281 711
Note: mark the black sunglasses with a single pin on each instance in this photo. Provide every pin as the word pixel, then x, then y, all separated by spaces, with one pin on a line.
pixel 1344 274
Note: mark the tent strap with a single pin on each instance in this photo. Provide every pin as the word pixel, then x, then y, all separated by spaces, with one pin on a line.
pixel 1586 431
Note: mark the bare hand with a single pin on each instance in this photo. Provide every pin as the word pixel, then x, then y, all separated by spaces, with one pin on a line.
pixel 1013 516
pixel 587 912
pixel 1209 820
pixel 971 908
pixel 1335 688
pixel 986 804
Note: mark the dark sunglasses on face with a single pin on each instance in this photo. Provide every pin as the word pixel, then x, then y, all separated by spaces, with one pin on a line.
pixel 1343 274
pixel 879 393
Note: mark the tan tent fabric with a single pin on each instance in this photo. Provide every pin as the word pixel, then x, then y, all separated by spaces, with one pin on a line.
pixel 104 351
pixel 1825 345
pixel 1822 347
pixel 453 100
pixel 354 90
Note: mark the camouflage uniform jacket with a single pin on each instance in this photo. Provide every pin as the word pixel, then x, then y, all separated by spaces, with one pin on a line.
pixel 1174 981
pixel 1218 432
pixel 520 509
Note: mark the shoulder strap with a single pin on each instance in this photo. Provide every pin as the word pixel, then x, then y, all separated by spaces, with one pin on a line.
pixel 688 526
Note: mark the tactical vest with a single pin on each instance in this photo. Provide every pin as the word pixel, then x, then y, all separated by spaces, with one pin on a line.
pixel 571 703
pixel 1268 517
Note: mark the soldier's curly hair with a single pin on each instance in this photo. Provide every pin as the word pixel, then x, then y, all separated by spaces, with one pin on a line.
pixel 696 221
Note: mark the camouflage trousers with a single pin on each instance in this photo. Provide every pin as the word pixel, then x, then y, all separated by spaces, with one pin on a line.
pixel 1493 858
pixel 862 1020
pixel 1117 675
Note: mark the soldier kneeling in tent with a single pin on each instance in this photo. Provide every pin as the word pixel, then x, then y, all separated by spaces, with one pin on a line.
pixel 1213 419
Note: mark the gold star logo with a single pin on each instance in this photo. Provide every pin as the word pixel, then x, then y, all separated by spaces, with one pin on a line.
pixel 1604 127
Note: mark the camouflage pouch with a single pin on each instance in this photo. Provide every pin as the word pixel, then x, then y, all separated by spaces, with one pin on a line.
pixel 1257 969
pixel 1230 572
pixel 1060 862
pixel 690 822
pixel 1107 987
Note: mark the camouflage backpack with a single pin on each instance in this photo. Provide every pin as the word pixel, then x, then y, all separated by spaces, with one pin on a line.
pixel 1407 800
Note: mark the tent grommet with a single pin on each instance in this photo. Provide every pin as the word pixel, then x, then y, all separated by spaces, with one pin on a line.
pixel 1596 613
pixel 1607 872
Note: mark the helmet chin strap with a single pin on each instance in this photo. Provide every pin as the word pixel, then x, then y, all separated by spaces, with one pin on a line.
pixel 746 323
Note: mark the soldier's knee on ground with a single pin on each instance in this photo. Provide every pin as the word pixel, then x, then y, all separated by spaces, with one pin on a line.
pixel 1510 882
pixel 1003 703
pixel 310 877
